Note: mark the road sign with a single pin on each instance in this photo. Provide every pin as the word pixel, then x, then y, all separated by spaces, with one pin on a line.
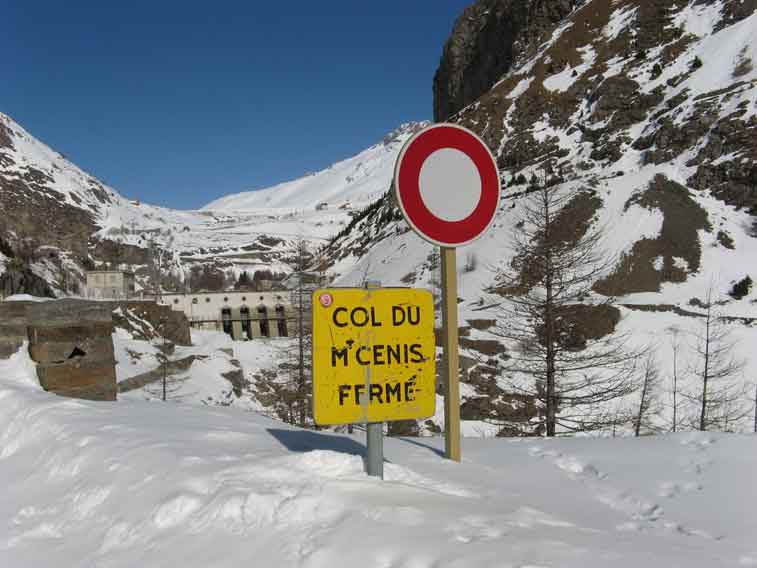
pixel 447 185
pixel 373 355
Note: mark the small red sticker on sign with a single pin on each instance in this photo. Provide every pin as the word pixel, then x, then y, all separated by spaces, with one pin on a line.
pixel 326 300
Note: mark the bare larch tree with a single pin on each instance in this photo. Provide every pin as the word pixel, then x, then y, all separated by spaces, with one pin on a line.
pixel 675 346
pixel 302 303
pixel 550 311
pixel 649 403
pixel 720 397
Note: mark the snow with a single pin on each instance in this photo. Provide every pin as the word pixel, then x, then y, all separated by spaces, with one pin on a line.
pixel 225 227
pixel 133 356
pixel 358 180
pixel 527 66
pixel 145 483
pixel 228 230
pixel 203 383
pixel 25 298
pixel 542 131
pixel 619 21
pixel 520 88
pixel 398 255
pixel 719 52
pixel 698 18
pixel 615 66
pixel 563 80
pixel 73 184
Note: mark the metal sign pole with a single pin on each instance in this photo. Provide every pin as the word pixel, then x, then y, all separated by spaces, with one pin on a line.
pixel 374 437
pixel 374 431
pixel 451 362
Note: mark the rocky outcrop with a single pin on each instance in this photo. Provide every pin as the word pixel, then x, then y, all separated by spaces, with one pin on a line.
pixel 117 253
pixel 671 256
pixel 727 163
pixel 29 209
pixel 486 40
pixel 45 202
pixel 579 85
pixel 24 281
pixel 148 320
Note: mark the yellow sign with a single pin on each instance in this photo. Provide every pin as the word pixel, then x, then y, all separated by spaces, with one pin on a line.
pixel 374 355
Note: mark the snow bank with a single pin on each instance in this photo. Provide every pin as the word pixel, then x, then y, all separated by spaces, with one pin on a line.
pixel 26 298
pixel 145 483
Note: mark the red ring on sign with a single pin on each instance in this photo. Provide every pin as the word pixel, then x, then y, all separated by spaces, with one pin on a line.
pixel 407 186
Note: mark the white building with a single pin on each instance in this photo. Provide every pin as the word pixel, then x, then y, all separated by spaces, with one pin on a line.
pixel 110 284
pixel 243 315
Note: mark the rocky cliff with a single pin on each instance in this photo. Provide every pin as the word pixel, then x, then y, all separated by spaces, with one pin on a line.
pixel 486 40
pixel 645 104
pixel 648 109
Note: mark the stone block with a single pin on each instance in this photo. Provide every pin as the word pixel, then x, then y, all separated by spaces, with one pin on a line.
pixel 89 393
pixel 57 352
pixel 12 330
pixel 75 333
pixel 69 312
pixel 70 376
pixel 69 339
pixel 13 311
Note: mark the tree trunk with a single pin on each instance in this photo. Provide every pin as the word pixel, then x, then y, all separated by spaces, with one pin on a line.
pixel 675 387
pixel 705 373
pixel 640 415
pixel 549 321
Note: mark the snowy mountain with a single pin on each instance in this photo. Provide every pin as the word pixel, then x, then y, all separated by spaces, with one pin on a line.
pixel 647 109
pixel 86 223
pixel 354 182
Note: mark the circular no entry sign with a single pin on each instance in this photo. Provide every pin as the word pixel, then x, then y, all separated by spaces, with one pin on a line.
pixel 447 185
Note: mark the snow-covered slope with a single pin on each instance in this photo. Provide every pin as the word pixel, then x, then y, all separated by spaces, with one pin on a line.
pixel 648 109
pixel 146 483
pixel 356 181
pixel 217 371
pixel 48 201
pixel 25 156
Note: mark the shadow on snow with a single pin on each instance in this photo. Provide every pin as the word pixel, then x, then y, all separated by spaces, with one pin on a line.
pixel 307 441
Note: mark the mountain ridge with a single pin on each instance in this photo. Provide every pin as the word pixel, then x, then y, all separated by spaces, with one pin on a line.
pixel 86 223
pixel 359 179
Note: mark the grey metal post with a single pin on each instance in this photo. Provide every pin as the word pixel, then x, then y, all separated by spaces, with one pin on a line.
pixel 374 432
pixel 374 436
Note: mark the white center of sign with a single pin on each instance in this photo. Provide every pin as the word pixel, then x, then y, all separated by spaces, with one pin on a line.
pixel 450 185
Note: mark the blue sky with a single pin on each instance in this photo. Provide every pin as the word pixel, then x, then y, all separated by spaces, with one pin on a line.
pixel 178 103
